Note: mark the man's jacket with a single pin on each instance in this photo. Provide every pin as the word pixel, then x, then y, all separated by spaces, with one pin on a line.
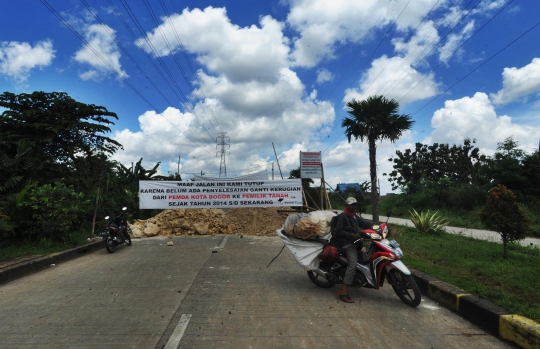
pixel 345 226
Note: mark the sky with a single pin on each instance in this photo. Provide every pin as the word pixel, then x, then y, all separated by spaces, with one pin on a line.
pixel 277 74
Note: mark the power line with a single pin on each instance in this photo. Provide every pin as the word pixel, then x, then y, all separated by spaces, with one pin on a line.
pixel 403 44
pixel 450 56
pixel 435 46
pixel 372 54
pixel 478 67
pixel 83 40
pixel 188 60
pixel 457 16
pixel 141 30
pixel 133 60
pixel 463 78
pixel 171 51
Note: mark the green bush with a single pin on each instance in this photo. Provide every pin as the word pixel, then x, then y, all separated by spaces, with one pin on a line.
pixel 56 212
pixel 503 214
pixel 428 222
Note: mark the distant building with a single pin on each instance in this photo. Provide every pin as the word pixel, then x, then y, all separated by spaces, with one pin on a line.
pixel 341 187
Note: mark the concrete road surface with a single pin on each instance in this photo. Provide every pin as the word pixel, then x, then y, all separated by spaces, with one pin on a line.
pixel 151 295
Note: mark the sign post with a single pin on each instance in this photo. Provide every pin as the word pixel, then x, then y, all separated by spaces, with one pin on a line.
pixel 310 164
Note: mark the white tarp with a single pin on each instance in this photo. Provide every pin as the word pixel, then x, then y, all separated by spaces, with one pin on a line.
pixel 219 194
pixel 305 252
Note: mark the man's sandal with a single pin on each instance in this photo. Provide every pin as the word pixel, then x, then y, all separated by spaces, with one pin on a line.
pixel 345 297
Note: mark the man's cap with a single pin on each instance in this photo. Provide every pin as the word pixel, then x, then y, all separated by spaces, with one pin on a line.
pixel 350 201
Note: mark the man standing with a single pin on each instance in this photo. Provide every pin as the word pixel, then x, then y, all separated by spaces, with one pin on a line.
pixel 345 233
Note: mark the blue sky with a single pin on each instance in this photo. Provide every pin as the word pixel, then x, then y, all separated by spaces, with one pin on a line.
pixel 179 72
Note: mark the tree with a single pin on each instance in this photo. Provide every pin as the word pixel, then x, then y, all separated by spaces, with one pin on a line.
pixel 503 215
pixel 506 167
pixel 46 138
pixel 375 119
pixel 458 164
pixel 63 136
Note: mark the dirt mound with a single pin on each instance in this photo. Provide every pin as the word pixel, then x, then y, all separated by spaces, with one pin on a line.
pixel 238 221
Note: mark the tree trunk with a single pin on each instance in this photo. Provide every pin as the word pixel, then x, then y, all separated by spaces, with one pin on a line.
pixel 373 173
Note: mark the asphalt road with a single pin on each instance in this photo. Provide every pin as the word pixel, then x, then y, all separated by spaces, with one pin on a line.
pixel 151 295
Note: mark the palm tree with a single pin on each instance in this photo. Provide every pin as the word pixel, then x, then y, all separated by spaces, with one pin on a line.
pixel 374 119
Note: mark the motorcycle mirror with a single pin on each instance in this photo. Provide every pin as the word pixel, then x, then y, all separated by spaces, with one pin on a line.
pixel 124 208
pixel 107 217
pixel 388 212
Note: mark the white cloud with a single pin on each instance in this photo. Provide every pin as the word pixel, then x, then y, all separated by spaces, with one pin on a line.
pixel 325 25
pixel 475 117
pixel 241 54
pixel 245 88
pixel 102 55
pixel 383 78
pixel 454 41
pixel 17 59
pixel 324 75
pixel 519 83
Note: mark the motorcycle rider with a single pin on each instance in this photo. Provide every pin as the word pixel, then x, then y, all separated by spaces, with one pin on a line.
pixel 345 233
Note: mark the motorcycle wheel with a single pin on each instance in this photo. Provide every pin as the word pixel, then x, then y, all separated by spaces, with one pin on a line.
pixel 127 239
pixel 319 280
pixel 110 244
pixel 405 287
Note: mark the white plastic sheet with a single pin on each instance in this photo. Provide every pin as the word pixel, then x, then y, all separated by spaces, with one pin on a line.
pixel 304 251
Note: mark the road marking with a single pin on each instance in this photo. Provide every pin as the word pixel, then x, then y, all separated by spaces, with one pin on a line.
pixel 222 243
pixel 178 332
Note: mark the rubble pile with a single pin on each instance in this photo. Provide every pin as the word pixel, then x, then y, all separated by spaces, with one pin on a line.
pixel 238 221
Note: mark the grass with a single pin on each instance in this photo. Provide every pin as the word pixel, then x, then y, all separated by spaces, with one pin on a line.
pixel 456 217
pixel 477 266
pixel 42 247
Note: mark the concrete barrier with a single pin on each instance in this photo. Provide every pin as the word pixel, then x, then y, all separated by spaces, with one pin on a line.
pixel 492 318
pixel 19 270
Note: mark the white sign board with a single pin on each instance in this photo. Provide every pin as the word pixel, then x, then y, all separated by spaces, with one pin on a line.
pixel 216 194
pixel 310 164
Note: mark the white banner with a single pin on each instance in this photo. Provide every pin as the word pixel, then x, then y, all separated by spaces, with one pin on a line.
pixel 219 194
pixel 310 164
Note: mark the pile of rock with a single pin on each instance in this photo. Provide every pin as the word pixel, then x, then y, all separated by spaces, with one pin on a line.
pixel 238 221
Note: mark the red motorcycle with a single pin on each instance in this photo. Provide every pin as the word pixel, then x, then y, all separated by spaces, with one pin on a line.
pixel 380 260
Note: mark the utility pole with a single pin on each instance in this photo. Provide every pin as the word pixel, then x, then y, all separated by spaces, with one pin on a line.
pixel 221 142
pixel 272 171
pixel 277 160
pixel 97 202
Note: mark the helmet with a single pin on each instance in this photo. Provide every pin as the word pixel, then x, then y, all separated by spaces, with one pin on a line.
pixel 329 254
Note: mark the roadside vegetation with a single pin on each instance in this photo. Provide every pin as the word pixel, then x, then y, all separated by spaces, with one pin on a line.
pixel 56 173
pixel 477 267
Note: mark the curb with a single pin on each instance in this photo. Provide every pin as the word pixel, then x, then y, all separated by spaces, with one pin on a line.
pixel 490 317
pixel 19 270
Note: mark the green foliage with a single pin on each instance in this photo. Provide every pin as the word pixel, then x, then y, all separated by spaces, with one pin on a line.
pixel 56 211
pixel 503 215
pixel 513 168
pixel 428 222
pixel 375 119
pixel 436 163
pixel 48 136
pixel 476 266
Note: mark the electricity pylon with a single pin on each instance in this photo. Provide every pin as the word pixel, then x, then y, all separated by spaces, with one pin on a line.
pixel 221 142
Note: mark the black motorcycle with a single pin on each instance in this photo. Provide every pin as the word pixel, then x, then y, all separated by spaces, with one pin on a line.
pixel 117 232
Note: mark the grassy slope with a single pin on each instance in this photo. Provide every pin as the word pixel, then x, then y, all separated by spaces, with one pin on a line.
pixel 478 267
